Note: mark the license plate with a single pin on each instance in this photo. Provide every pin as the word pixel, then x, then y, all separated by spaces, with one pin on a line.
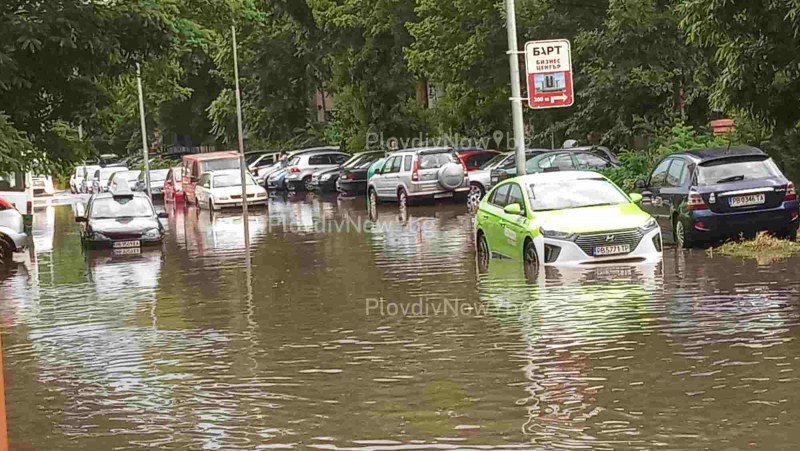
pixel 127 244
pixel 746 201
pixel 618 249
pixel 129 251
pixel 442 195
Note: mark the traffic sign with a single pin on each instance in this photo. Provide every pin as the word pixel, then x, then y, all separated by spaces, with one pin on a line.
pixel 549 68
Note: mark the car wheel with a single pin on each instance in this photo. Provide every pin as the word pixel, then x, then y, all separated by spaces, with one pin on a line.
pixel 789 234
pixel 682 238
pixel 476 190
pixel 307 184
pixel 529 255
pixel 6 252
pixel 484 253
pixel 373 197
pixel 402 198
pixel 211 205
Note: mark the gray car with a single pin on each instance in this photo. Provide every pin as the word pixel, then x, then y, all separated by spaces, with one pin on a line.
pixel 302 167
pixel 422 173
pixel 12 232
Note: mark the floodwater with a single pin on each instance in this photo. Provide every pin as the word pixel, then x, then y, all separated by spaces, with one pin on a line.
pixel 341 333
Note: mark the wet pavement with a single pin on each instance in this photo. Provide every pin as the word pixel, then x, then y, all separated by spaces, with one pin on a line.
pixel 342 333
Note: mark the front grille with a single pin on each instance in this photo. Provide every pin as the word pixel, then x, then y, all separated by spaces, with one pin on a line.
pixel 587 243
pixel 239 196
pixel 123 236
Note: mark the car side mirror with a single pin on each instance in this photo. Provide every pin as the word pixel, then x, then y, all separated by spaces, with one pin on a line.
pixel 640 184
pixel 513 209
pixel 163 215
pixel 636 198
pixel 81 219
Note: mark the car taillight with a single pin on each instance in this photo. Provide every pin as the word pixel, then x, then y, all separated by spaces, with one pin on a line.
pixel 696 202
pixel 294 169
pixel 347 176
pixel 791 193
pixel 415 170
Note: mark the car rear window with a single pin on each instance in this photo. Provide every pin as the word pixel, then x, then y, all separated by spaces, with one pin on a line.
pixel 220 165
pixel 434 160
pixel 494 161
pixel 735 170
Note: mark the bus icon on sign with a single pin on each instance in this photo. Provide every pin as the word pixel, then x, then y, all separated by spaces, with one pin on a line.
pixel 551 82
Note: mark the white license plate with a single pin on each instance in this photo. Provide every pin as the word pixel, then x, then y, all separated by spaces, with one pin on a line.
pixel 746 201
pixel 442 195
pixel 618 249
pixel 127 244
pixel 128 251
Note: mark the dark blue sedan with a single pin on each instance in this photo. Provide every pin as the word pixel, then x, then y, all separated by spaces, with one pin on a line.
pixel 712 194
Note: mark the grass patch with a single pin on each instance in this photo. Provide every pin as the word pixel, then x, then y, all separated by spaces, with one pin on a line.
pixel 763 247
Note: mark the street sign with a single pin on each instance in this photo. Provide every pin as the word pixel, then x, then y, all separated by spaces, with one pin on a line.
pixel 549 68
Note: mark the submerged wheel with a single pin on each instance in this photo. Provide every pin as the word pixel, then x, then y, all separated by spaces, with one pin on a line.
pixel 529 254
pixel 402 198
pixel 484 254
pixel 373 197
pixel 682 239
pixel 307 184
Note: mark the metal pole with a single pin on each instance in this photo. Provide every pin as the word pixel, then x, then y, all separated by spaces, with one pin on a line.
pixel 516 94
pixel 3 430
pixel 242 162
pixel 145 153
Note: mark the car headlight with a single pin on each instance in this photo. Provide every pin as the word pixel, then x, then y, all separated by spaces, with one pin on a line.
pixel 557 235
pixel 222 198
pixel 152 233
pixel 325 178
pixel 652 224
pixel 261 194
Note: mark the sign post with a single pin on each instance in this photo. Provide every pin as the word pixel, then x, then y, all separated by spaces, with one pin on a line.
pixel 549 68
pixel 516 94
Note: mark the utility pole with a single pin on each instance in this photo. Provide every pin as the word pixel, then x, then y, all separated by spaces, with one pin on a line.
pixel 145 152
pixel 242 162
pixel 516 92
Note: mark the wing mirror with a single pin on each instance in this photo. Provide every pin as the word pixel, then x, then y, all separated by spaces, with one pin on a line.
pixel 81 219
pixel 640 184
pixel 513 209
pixel 163 215
pixel 636 198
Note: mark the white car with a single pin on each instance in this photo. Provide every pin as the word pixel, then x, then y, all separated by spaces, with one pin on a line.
pixel 221 189
pixel 76 179
pixel 43 185
pixel 12 232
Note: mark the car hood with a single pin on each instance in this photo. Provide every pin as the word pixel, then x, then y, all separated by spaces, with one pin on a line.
pixel 593 219
pixel 123 225
pixel 236 190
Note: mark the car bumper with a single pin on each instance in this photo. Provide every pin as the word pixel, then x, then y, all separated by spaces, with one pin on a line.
pixel 109 244
pixel 707 224
pixel 20 239
pixel 237 203
pixel 324 186
pixel 352 186
pixel 463 191
pixel 568 253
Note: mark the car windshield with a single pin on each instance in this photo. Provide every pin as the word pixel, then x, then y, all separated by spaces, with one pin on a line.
pixel 726 171
pixel 132 175
pixel 228 180
pixel 494 161
pixel 567 194
pixel 250 159
pixel 434 160
pixel 125 207
pixel 221 165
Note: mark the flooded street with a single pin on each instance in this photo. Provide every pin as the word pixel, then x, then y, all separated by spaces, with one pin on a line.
pixel 342 333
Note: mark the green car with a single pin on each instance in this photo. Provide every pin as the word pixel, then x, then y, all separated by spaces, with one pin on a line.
pixel 565 218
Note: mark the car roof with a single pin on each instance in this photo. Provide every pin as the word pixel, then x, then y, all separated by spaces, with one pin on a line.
pixel 718 153
pixel 212 155
pixel 559 176
pixel 422 150
pixel 315 149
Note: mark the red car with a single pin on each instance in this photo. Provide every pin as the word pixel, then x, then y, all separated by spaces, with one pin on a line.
pixel 173 191
pixel 473 159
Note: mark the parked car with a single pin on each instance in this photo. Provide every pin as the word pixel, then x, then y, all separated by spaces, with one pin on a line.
pixel 573 159
pixel 43 185
pixel 277 181
pixel 260 159
pixel 131 178
pixel 325 181
pixel 75 179
pixel 173 190
pixel 480 181
pixel 157 179
pixel 262 174
pixel 12 232
pixel 423 173
pixel 221 189
pixel 352 178
pixel 102 177
pixel 473 159
pixel 711 194
pixel 87 179
pixel 376 167
pixel 571 218
pixel 121 219
pixel 302 167
pixel 197 164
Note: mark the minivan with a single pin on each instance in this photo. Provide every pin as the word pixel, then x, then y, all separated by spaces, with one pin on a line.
pixel 197 164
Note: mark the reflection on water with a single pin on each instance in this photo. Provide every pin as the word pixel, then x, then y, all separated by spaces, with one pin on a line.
pixel 198 344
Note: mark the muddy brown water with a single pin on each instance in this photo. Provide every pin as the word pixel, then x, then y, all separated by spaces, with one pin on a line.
pixel 338 333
